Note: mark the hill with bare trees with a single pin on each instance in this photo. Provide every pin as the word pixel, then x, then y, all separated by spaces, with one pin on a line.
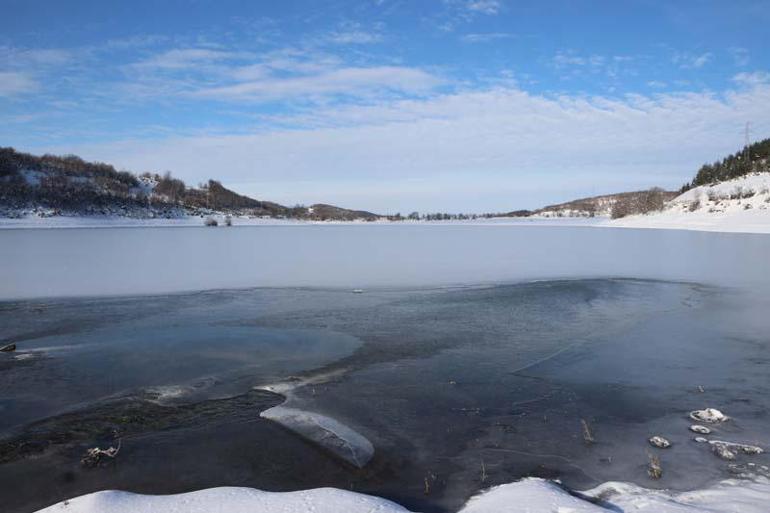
pixel 51 185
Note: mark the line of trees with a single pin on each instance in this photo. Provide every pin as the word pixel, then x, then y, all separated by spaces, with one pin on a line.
pixel 642 202
pixel 751 159
pixel 434 216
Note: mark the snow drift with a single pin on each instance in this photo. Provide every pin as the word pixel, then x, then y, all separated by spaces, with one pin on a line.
pixel 738 205
pixel 528 495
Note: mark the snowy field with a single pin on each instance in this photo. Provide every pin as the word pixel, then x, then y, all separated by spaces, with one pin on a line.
pixel 739 205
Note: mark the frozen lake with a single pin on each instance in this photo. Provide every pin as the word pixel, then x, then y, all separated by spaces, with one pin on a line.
pixel 119 261
pixel 471 359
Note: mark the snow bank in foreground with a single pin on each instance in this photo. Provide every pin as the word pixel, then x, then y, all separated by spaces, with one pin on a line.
pixel 528 495
pixel 739 205
pixel 228 500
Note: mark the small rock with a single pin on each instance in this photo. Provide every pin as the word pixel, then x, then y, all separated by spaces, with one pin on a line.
pixel 7 349
pixel 723 451
pixel 709 415
pixel 703 430
pixel 660 442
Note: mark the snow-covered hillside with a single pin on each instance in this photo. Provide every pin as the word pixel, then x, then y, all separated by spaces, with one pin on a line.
pixel 528 495
pixel 738 205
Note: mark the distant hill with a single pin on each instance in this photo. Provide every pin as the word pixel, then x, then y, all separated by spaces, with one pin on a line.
pixel 603 205
pixel 67 185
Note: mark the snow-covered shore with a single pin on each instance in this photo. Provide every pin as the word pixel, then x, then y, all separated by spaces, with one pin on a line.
pixel 191 221
pixel 741 205
pixel 528 495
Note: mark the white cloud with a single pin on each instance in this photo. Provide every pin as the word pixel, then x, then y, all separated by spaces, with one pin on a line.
pixel 752 79
pixel 692 61
pixel 34 58
pixel 486 37
pixel 178 59
pixel 14 83
pixel 355 37
pixel 484 6
pixel 352 81
pixel 494 149
pixel 355 33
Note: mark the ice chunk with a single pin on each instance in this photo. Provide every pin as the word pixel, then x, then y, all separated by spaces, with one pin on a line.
pixel 332 435
pixel 736 447
pixel 702 430
pixel 660 442
pixel 723 451
pixel 709 415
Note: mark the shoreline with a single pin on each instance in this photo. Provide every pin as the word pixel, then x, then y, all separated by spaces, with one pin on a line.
pixel 646 222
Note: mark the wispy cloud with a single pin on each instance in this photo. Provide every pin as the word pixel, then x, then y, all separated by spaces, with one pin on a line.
pixel 346 81
pixel 486 37
pixel 177 59
pixel 458 12
pixel 34 57
pixel 356 33
pixel 15 83
pixel 484 6
pixel 691 61
pixel 571 64
pixel 740 56
pixel 752 79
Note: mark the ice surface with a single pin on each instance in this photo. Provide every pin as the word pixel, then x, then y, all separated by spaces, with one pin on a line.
pixel 327 432
pixel 116 261
pixel 525 496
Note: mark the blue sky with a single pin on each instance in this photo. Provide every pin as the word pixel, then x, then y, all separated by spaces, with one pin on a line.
pixel 390 105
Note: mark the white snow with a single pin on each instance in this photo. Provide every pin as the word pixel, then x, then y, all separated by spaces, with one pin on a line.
pixel 525 496
pixel 228 500
pixel 739 205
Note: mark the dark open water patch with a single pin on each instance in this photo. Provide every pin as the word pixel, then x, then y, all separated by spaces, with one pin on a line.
pixel 458 389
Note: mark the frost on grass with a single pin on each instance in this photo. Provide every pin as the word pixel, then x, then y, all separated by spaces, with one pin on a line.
pixel 341 440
